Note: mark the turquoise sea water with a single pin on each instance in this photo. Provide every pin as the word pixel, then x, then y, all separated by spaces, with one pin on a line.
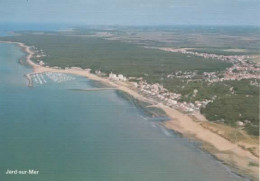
pixel 87 136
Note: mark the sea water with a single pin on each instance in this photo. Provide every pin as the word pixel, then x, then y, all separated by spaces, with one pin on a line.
pixel 50 132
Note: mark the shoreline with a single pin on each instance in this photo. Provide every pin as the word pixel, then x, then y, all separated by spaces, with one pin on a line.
pixel 222 149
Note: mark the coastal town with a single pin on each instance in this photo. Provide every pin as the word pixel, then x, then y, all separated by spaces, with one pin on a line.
pixel 138 87
pixel 242 68
pixel 132 90
pixel 161 95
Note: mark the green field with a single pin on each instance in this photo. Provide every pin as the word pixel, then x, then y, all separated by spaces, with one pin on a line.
pixel 209 39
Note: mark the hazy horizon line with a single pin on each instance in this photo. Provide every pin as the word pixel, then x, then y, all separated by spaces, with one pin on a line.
pixel 127 25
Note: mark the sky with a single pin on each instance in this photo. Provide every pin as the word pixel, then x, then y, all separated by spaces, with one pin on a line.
pixel 132 12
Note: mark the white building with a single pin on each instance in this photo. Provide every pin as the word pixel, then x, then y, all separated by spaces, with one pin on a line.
pixel 121 77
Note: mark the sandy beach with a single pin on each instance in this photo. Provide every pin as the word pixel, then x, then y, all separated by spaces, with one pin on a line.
pixel 224 150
